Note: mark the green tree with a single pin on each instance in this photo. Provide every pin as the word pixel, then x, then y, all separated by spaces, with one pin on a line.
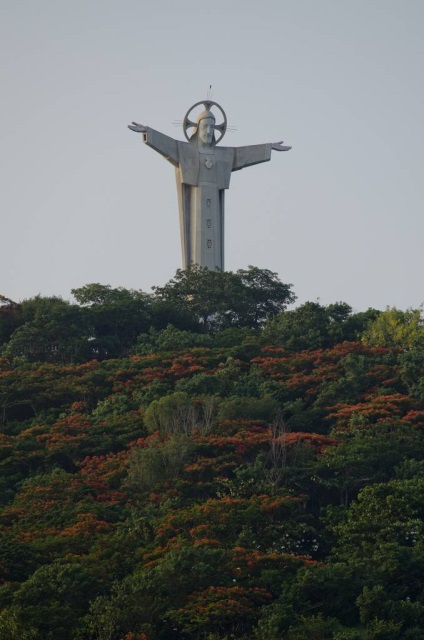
pixel 248 408
pixel 396 329
pixel 174 414
pixel 55 598
pixel 223 299
pixel 117 316
pixel 141 601
pixel 366 456
pixel 53 331
pixel 159 462
pixel 10 318
pixel 315 326
pixel 411 364
pixel 14 627
pixel 331 589
pixel 382 539
pixel 265 295
pixel 170 339
pixel 180 414
pixel 207 294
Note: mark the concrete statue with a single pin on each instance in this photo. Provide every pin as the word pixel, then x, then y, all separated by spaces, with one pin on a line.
pixel 203 172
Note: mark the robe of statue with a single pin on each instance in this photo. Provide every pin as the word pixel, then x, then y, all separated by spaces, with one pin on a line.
pixel 202 177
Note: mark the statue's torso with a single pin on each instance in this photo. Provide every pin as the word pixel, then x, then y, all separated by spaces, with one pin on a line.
pixel 193 169
pixel 207 168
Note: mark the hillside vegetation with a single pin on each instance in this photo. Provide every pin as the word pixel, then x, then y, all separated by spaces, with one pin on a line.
pixel 201 463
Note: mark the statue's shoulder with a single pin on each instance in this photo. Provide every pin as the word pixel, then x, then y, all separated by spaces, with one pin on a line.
pixel 186 149
pixel 224 153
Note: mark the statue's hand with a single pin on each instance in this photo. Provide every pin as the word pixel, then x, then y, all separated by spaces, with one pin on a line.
pixel 278 146
pixel 138 128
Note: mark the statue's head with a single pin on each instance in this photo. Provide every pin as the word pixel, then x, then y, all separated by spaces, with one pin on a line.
pixel 206 131
pixel 205 127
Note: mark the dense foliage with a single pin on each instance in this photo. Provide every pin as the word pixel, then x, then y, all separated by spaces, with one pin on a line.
pixel 202 463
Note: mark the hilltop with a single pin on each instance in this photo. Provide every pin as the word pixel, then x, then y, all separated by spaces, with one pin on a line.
pixel 202 463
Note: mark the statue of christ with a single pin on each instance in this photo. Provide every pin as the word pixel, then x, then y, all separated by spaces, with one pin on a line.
pixel 203 172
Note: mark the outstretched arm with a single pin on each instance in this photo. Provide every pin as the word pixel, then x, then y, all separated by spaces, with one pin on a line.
pixel 255 154
pixel 161 143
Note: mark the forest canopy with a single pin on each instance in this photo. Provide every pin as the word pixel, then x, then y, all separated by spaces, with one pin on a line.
pixel 205 462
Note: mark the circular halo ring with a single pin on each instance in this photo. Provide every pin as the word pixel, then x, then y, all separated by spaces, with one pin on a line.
pixel 188 124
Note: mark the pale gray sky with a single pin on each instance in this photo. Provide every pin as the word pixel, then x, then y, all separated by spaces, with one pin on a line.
pixel 340 216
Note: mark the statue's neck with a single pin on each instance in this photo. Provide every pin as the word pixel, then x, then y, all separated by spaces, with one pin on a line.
pixel 204 148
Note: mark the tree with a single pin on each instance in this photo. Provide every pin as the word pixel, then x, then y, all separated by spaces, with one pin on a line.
pixel 219 609
pixel 117 316
pixel 249 408
pixel 315 326
pixel 14 627
pixel 205 293
pixel 10 318
pixel 314 627
pixel 159 462
pixel 54 599
pixel 222 299
pixel 170 339
pixel 368 455
pixel 386 517
pixel 304 328
pixel 396 329
pixel 179 414
pixel 265 295
pixel 53 330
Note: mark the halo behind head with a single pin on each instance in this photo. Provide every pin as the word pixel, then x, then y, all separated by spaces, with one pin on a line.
pixel 207 113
